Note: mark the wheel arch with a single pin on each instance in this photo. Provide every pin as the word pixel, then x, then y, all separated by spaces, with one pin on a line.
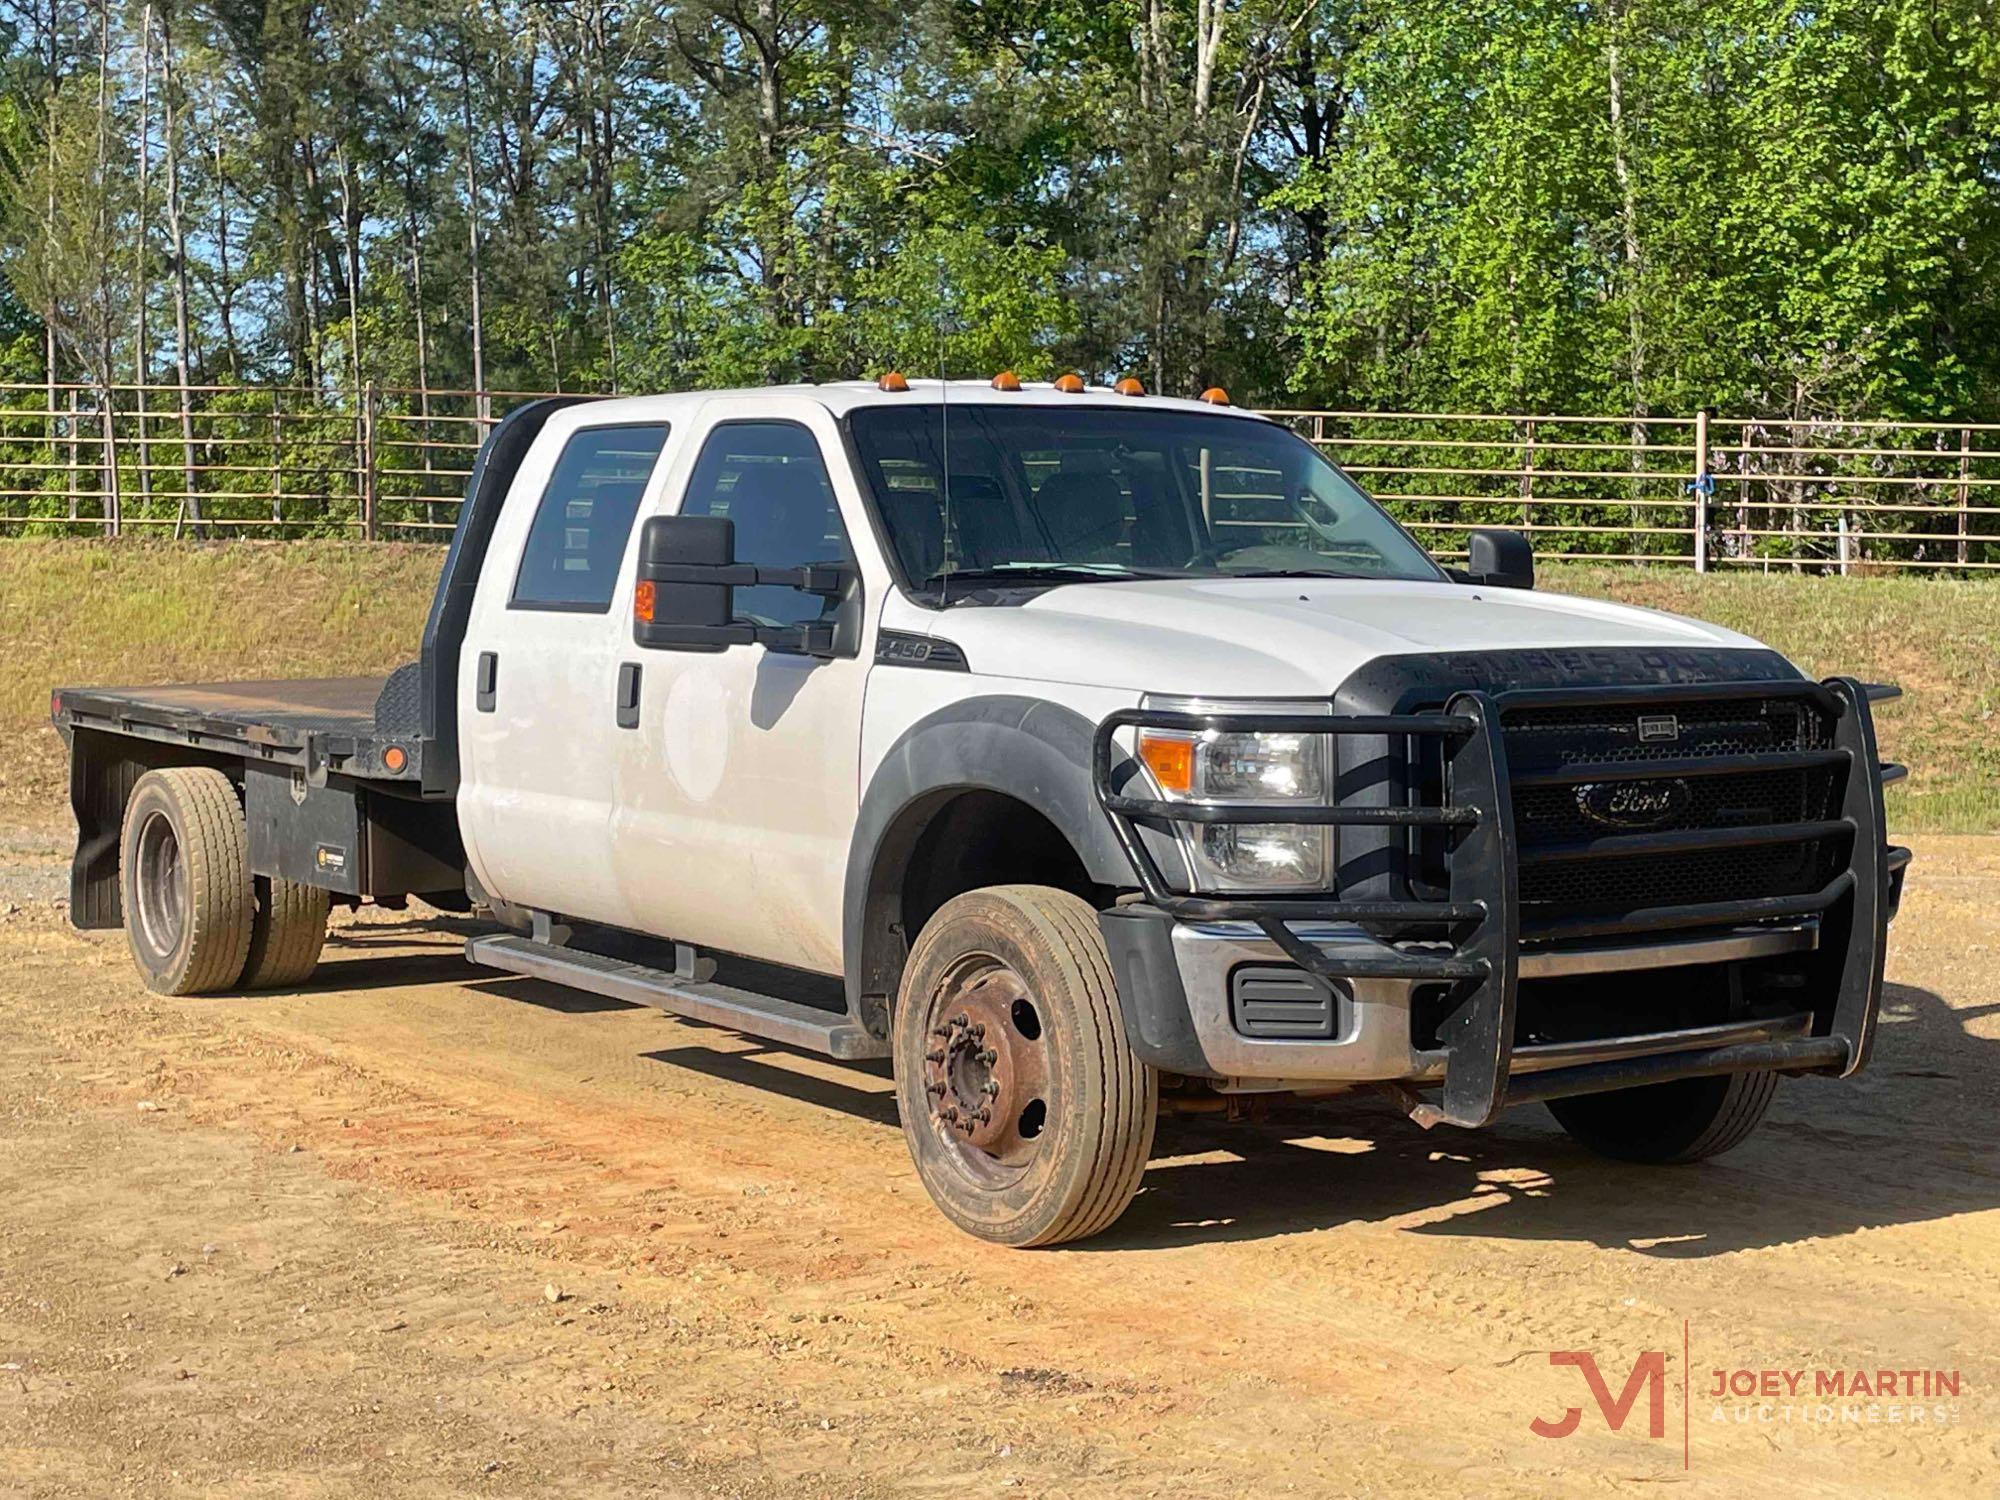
pixel 1013 768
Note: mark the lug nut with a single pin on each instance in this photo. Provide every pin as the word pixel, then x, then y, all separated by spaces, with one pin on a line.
pixel 936 1056
pixel 990 1088
pixel 989 1057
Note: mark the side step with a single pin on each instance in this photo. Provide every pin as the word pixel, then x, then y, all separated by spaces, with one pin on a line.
pixel 766 1016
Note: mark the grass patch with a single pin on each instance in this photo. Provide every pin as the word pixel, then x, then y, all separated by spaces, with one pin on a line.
pixel 130 613
pixel 135 612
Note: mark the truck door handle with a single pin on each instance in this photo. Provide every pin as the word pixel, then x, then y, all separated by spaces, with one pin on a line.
pixel 486 681
pixel 628 695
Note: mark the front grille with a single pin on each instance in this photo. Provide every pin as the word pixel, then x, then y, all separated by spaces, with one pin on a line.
pixel 1545 741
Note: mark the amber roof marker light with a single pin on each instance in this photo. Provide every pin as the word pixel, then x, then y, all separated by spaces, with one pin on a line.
pixel 1006 380
pixel 1215 395
pixel 1070 384
pixel 1129 386
pixel 892 382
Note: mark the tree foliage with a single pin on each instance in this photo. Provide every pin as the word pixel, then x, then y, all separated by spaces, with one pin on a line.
pixel 1618 206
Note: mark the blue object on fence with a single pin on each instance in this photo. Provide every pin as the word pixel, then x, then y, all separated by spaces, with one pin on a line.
pixel 1703 486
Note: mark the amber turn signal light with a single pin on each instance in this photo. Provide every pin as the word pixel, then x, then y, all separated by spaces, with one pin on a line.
pixel 642 601
pixel 893 381
pixel 1006 380
pixel 1170 759
pixel 1070 384
pixel 1129 387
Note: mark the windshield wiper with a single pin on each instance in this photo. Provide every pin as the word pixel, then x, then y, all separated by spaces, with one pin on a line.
pixel 1287 573
pixel 1037 572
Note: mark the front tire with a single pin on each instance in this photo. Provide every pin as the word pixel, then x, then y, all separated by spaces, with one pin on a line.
pixel 1662 1124
pixel 184 880
pixel 1026 1111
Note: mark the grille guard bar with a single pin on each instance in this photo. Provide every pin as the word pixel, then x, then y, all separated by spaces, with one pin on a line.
pixel 1474 936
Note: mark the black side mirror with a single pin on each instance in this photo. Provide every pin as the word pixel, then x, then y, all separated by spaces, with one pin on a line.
pixel 685 597
pixel 1500 559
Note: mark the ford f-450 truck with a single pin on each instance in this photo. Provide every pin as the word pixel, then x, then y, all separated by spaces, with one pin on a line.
pixel 1084 752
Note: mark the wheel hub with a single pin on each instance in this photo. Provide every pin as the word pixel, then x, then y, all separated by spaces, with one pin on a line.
pixel 161 887
pixel 986 1066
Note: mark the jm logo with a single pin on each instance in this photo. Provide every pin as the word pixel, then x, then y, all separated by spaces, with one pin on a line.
pixel 1649 1374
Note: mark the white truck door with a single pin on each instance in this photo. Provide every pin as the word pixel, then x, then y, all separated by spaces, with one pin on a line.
pixel 539 675
pixel 738 792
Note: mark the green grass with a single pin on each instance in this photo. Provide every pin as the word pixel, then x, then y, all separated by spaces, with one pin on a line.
pixel 96 613
pixel 136 612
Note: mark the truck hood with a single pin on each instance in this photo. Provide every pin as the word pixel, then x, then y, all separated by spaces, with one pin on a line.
pixel 1283 637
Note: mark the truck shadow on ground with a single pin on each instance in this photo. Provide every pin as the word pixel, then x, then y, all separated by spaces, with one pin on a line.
pixel 1889 1147
pixel 1899 1144
pixel 1903 1143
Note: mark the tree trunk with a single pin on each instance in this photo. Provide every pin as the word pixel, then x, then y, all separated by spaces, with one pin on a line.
pixel 1628 213
pixel 49 252
pixel 483 405
pixel 225 287
pixel 141 354
pixel 106 332
pixel 177 236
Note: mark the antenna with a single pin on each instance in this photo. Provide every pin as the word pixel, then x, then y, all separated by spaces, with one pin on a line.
pixel 944 438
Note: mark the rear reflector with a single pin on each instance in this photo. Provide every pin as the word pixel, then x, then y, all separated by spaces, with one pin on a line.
pixel 642 601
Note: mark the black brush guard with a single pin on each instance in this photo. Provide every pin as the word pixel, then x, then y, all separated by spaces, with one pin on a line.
pixel 1473 937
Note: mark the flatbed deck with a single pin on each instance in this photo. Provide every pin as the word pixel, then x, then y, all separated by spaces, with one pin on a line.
pixel 346 725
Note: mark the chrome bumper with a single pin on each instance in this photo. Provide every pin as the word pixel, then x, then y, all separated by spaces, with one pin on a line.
pixel 1372 1041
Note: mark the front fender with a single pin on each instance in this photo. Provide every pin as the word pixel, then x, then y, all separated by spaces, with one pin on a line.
pixel 1025 748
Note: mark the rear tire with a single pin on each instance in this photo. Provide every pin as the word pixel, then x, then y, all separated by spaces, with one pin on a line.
pixel 287 935
pixel 184 880
pixel 1026 1111
pixel 1661 1124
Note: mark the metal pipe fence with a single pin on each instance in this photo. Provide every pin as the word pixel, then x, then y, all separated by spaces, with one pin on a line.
pixel 1700 491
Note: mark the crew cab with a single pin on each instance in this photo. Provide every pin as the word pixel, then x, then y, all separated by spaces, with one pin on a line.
pixel 1087 753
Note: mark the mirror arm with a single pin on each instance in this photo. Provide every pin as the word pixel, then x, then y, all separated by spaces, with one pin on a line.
pixel 813 638
pixel 829 580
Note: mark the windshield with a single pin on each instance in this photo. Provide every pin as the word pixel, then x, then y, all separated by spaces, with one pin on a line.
pixel 1040 494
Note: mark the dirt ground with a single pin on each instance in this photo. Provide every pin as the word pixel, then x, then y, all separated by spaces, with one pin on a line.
pixel 417 1231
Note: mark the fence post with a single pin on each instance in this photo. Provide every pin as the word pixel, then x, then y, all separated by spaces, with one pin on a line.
pixel 1701 487
pixel 277 461
pixel 1964 494
pixel 1528 476
pixel 370 401
pixel 114 508
pixel 74 485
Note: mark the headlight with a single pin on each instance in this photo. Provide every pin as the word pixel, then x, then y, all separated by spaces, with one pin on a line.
pixel 1245 770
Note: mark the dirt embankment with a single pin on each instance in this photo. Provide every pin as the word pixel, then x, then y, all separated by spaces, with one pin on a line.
pixel 416 1231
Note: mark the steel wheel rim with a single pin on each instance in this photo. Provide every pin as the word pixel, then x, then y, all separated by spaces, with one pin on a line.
pixel 161 889
pixel 989 1072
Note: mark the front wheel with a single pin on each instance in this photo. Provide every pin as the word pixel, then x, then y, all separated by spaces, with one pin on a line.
pixel 1027 1113
pixel 1687 1120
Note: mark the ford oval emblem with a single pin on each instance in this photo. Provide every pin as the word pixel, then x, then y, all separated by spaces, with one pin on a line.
pixel 1632 804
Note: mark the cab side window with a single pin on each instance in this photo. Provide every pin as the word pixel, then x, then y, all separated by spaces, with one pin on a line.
pixel 577 540
pixel 769 479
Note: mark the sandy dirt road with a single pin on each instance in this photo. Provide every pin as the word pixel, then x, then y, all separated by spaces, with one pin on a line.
pixel 417 1231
